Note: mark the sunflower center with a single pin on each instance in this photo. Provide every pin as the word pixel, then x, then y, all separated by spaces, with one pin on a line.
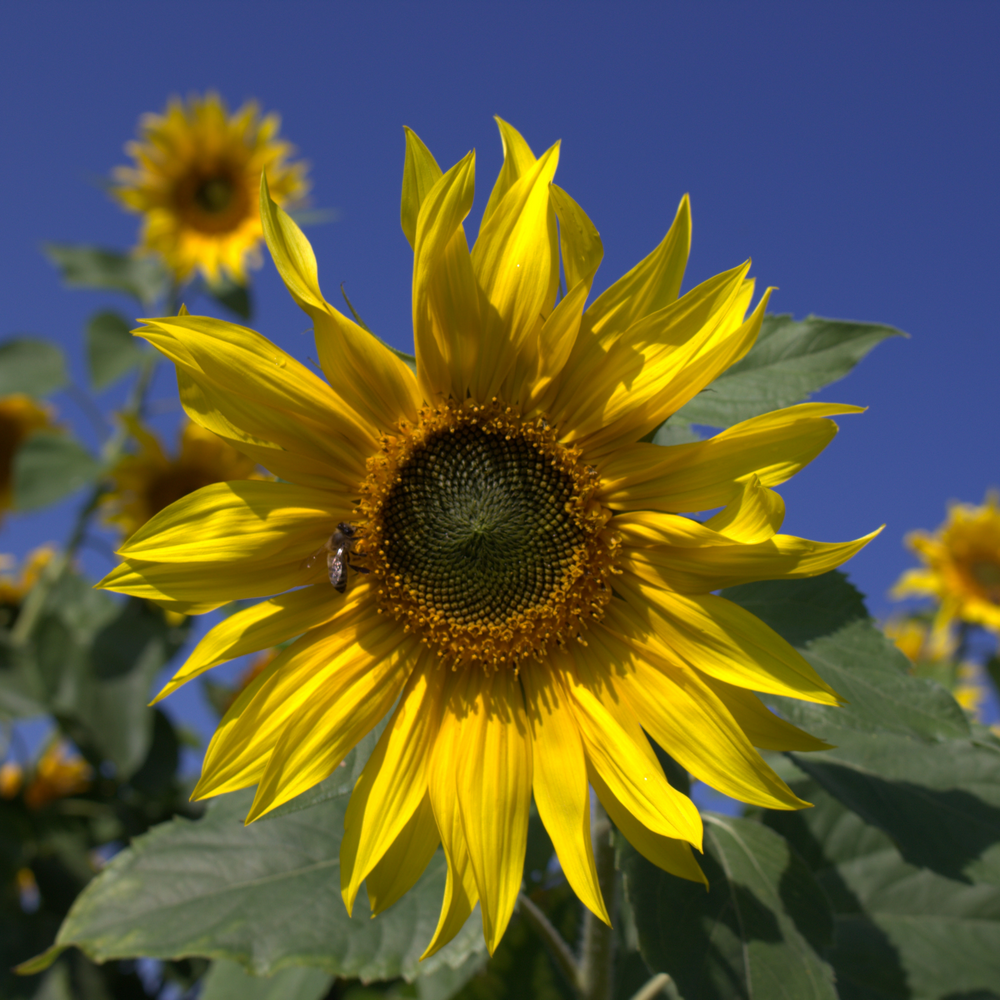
pixel 483 537
pixel 214 194
pixel 987 574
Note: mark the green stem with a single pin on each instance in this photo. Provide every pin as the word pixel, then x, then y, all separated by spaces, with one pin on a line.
pixel 597 961
pixel 660 985
pixel 561 951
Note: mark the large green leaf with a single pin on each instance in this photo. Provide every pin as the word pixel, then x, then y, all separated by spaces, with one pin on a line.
pixel 32 366
pixel 790 361
pixel 760 931
pixel 112 351
pixel 50 466
pixel 266 896
pixel 902 932
pixel 905 757
pixel 230 981
pixel 143 278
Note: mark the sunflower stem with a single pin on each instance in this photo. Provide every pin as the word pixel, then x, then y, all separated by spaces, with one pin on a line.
pixel 597 961
pixel 561 952
pixel 660 985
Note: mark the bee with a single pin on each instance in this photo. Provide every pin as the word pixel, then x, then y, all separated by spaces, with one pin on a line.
pixel 337 549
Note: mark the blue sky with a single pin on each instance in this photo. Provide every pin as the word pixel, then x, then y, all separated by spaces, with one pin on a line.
pixel 850 149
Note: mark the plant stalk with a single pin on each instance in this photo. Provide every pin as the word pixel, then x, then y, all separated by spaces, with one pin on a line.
pixel 597 960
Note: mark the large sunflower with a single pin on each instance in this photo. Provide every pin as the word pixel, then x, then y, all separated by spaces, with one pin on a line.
pixel 527 593
pixel 961 568
pixel 195 181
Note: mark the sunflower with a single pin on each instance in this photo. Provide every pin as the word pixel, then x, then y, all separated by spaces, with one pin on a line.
pixel 961 568
pixel 20 416
pixel 150 480
pixel 60 773
pixel 14 587
pixel 520 583
pixel 195 180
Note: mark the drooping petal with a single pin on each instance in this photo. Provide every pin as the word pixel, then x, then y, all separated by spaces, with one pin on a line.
pixel 707 474
pixel 618 749
pixel 516 263
pixel 460 892
pixel 446 298
pixel 352 668
pixel 687 719
pixel 262 626
pixel 715 636
pixel 664 549
pixel 763 728
pixel 753 515
pixel 362 370
pixel 405 860
pixel 672 855
pixel 493 783
pixel 394 780
pixel 559 783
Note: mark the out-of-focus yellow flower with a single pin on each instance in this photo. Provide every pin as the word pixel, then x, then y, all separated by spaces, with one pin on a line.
pixel 150 480
pixel 912 638
pixel 970 689
pixel 60 773
pixel 14 586
pixel 11 779
pixel 961 568
pixel 195 180
pixel 19 416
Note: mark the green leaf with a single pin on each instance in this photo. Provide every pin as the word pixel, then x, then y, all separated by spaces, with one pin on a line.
pixel 674 431
pixel 760 931
pixel 229 981
pixel 906 759
pixel 112 351
pixel 266 896
pixel 235 297
pixel 50 466
pixel 31 365
pixel 902 933
pixel 143 278
pixel 790 361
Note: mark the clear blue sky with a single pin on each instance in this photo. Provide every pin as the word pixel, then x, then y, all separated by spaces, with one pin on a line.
pixel 850 149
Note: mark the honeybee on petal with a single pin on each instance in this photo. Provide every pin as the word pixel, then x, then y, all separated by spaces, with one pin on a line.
pixel 337 549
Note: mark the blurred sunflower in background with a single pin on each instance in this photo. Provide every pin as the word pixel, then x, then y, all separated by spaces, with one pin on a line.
pixel 149 480
pixel 961 569
pixel 20 416
pixel 508 555
pixel 15 585
pixel 195 181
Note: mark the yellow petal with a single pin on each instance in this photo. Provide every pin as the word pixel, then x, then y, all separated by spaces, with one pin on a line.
pixel 762 727
pixel 707 474
pixel 579 240
pixel 671 855
pixel 643 361
pixel 559 783
pixel 516 262
pixel 460 891
pixel 420 174
pixel 329 725
pixel 754 515
pixel 493 780
pixel 715 636
pixel 677 561
pixel 405 860
pixel 446 324
pixel 340 660
pixel 653 283
pixel 518 159
pixel 249 520
pixel 262 626
pixel 363 371
pixel 687 719
pixel 618 750
pixel 394 780
pixel 263 391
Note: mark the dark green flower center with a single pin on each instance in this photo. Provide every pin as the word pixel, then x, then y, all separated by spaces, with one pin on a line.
pixel 214 194
pixel 479 527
